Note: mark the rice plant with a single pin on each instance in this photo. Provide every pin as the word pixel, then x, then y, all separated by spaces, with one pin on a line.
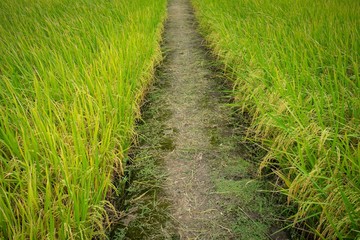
pixel 296 70
pixel 72 75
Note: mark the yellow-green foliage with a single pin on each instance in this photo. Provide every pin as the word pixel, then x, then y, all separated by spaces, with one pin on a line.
pixel 72 73
pixel 296 65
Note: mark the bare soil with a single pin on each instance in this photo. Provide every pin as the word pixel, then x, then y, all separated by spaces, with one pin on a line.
pixel 189 185
pixel 209 188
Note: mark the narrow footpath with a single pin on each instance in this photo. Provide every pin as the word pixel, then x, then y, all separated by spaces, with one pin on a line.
pixel 210 189
pixel 194 107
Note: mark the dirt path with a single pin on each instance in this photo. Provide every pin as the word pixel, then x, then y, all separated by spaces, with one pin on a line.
pixel 209 190
pixel 189 184
pixel 189 181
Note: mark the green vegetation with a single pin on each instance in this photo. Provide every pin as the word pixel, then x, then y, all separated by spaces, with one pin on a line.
pixel 296 70
pixel 72 75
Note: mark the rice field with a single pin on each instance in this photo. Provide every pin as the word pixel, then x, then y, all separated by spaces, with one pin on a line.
pixel 72 76
pixel 295 66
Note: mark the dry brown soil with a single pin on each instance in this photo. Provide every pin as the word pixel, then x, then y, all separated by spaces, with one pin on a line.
pixel 195 210
pixel 210 185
